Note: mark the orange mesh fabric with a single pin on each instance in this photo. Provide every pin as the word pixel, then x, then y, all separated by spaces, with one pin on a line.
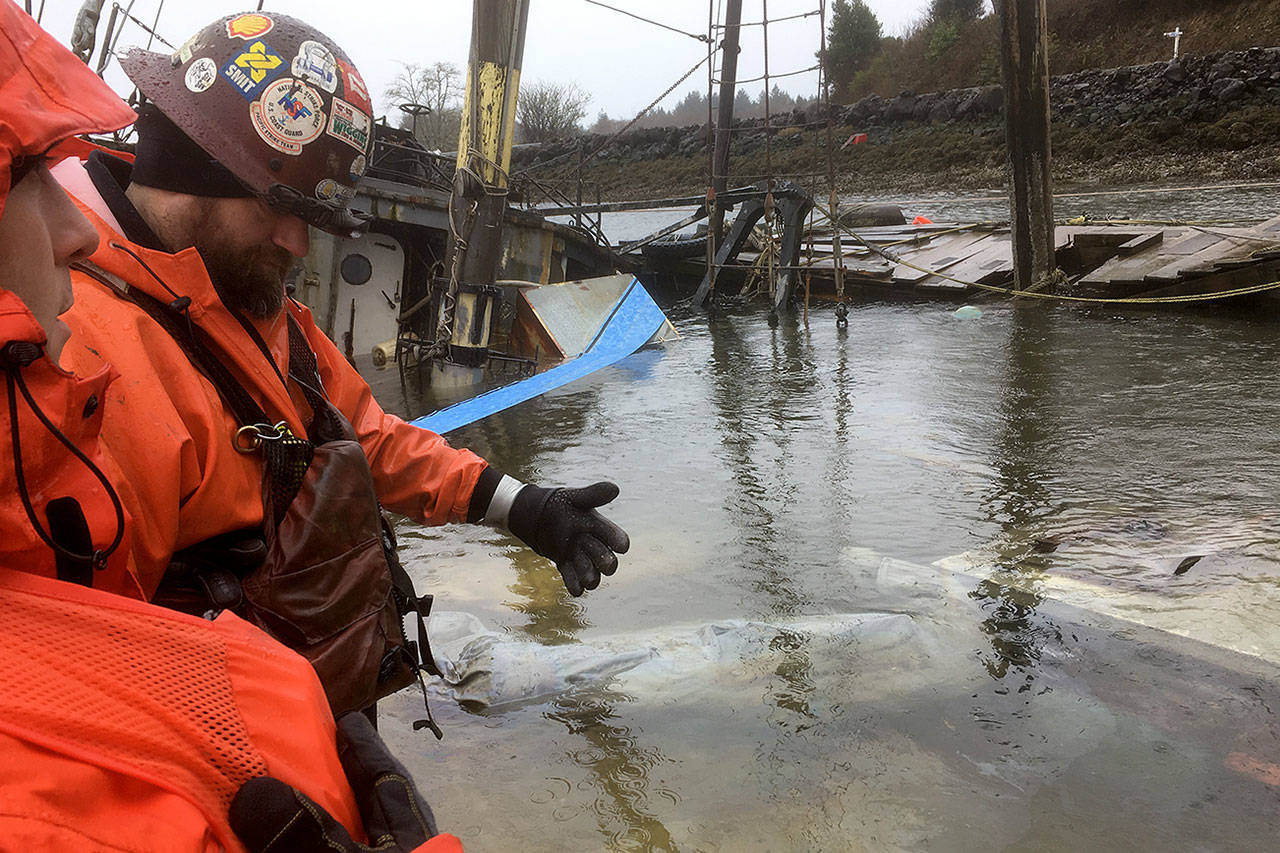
pixel 142 694
pixel 156 698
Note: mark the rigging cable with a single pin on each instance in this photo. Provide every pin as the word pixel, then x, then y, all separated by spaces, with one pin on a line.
pixel 649 21
pixel 797 17
pixel 614 138
pixel 154 25
pixel 784 74
pixel 149 30
pixel 824 93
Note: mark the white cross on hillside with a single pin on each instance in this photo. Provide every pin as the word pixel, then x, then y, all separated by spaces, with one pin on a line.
pixel 1176 35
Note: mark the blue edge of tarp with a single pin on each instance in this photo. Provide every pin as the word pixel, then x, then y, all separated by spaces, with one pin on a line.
pixel 635 319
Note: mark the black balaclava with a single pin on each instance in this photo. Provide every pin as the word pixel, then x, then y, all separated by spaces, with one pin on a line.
pixel 167 159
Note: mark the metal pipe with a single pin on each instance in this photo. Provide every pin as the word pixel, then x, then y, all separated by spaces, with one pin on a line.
pixel 155 25
pixel 105 56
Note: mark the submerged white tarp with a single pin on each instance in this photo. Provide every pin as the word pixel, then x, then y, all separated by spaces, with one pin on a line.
pixel 921 618
pixel 496 670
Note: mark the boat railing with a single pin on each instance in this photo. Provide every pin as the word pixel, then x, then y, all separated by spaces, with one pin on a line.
pixel 535 194
pixel 398 156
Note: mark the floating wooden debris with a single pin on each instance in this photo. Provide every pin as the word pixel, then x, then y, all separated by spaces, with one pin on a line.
pixel 1104 260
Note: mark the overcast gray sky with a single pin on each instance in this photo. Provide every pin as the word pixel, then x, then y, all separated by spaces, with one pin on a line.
pixel 621 62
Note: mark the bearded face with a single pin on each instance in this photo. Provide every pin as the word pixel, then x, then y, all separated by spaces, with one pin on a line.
pixel 240 250
pixel 248 249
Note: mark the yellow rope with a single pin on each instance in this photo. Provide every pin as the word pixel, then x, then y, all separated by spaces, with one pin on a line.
pixel 1171 223
pixel 990 288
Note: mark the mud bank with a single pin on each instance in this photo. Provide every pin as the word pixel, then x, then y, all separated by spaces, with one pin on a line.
pixel 1201 119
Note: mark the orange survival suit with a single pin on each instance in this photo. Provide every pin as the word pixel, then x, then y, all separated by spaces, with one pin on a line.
pixel 123 726
pixel 182 466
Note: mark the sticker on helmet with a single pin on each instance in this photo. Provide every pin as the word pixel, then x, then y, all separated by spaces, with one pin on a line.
pixel 315 64
pixel 250 70
pixel 355 90
pixel 349 124
pixel 249 26
pixel 201 75
pixel 330 189
pixel 289 115
pixel 356 172
pixel 183 54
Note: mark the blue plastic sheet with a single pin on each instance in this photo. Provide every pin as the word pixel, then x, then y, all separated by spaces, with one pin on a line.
pixel 635 319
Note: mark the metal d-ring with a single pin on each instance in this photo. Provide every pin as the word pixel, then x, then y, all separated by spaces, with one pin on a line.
pixel 248 439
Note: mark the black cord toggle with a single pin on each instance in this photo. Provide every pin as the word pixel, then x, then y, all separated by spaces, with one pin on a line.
pixel 18 354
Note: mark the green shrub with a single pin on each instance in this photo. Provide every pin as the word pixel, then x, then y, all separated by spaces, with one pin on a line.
pixel 943 36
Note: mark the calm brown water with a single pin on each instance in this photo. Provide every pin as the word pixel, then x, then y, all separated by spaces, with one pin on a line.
pixel 1062 680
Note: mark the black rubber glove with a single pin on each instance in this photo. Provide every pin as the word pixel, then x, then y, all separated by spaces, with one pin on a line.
pixel 563 526
pixel 271 817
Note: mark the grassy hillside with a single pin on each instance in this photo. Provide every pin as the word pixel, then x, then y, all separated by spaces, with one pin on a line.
pixel 1082 34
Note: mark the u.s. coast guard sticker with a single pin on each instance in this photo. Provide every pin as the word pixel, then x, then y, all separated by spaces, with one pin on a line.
pixel 289 115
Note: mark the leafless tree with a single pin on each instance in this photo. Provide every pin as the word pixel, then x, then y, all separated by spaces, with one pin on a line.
pixel 550 110
pixel 439 88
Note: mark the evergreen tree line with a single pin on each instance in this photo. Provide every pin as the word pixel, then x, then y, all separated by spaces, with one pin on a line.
pixel 692 109
pixel 856 40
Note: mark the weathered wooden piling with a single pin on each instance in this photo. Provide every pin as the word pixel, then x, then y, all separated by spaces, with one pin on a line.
pixel 724 128
pixel 1025 55
pixel 479 199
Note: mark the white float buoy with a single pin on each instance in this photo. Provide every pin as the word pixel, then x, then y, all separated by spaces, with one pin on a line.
pixel 967 312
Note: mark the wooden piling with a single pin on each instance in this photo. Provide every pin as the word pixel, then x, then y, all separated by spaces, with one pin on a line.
pixel 478 202
pixel 724 124
pixel 1025 54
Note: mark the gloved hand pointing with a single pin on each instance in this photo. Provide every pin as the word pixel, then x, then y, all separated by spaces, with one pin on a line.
pixel 271 817
pixel 564 526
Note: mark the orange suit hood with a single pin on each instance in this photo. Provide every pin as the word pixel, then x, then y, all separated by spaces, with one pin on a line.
pixel 49 470
pixel 47 95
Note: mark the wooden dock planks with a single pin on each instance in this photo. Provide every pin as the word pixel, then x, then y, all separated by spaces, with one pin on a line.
pixel 1127 259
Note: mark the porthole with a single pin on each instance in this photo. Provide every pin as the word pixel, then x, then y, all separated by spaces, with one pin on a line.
pixel 356 269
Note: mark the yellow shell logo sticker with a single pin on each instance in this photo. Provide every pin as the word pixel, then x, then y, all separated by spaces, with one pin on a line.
pixel 249 26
